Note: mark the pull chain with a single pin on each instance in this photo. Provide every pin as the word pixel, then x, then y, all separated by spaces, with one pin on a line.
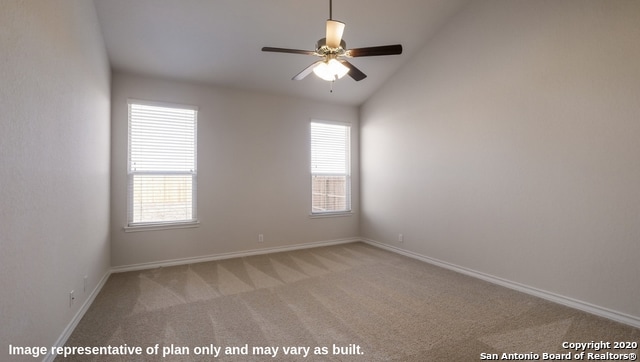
pixel 331 18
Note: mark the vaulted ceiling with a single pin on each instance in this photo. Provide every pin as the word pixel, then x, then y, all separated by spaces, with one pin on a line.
pixel 219 42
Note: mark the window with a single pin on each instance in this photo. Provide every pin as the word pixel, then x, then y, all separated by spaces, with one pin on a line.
pixel 162 164
pixel 330 168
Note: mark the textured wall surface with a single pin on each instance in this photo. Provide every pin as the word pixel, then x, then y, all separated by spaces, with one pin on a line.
pixel 509 146
pixel 253 173
pixel 54 166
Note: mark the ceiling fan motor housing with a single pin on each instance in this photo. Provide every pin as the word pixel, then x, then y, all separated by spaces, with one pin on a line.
pixel 323 49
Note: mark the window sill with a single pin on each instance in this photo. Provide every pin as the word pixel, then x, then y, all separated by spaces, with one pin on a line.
pixel 167 226
pixel 330 214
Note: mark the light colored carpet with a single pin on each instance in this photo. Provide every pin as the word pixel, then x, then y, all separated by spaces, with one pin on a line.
pixel 385 306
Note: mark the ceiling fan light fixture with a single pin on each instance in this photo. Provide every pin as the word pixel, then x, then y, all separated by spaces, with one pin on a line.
pixel 330 70
pixel 335 29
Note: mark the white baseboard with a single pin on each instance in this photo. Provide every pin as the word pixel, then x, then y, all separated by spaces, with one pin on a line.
pixel 77 317
pixel 238 254
pixel 633 321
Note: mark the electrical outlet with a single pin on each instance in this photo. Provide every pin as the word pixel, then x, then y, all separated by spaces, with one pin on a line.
pixel 85 282
pixel 260 238
pixel 72 298
pixel 400 238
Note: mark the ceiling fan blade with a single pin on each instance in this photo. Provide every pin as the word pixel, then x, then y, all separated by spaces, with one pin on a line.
pixel 375 51
pixel 335 29
pixel 354 72
pixel 291 51
pixel 306 71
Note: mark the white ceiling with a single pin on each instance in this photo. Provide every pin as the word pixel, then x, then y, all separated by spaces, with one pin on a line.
pixel 219 41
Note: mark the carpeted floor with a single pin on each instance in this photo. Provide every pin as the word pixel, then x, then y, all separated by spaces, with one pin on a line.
pixel 338 303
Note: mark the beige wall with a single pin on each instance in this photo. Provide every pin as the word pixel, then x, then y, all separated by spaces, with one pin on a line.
pixel 511 146
pixel 253 173
pixel 54 166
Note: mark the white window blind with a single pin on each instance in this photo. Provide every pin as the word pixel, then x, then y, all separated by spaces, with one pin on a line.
pixel 330 168
pixel 162 163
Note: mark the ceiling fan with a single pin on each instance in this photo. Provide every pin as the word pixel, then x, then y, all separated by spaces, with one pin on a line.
pixel 332 49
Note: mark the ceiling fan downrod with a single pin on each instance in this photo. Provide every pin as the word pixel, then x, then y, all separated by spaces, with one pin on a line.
pixel 330 9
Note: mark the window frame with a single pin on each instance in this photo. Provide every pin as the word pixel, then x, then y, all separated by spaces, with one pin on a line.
pixel 348 211
pixel 130 225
